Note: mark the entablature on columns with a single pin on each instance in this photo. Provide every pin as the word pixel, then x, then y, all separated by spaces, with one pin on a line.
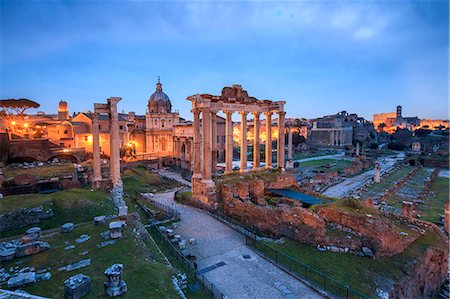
pixel 232 105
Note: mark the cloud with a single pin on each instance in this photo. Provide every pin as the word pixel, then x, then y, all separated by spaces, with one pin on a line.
pixel 364 33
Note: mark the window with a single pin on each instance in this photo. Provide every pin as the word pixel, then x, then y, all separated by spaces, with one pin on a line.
pixel 85 138
pixel 120 127
pixel 65 131
pixel 163 123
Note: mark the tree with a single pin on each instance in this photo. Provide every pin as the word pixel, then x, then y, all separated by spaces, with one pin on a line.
pixel 381 127
pixel 18 107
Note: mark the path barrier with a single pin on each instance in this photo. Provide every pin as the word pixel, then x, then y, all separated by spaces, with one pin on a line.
pixel 195 280
pixel 314 278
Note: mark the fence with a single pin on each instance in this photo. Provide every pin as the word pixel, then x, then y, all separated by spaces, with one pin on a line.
pixel 168 210
pixel 183 264
pixel 316 279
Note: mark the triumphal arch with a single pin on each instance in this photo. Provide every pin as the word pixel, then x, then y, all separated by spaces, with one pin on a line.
pixel 232 100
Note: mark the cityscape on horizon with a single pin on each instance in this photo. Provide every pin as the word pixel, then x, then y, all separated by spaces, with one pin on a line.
pixel 224 149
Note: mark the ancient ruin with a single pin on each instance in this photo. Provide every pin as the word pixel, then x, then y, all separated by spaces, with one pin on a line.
pixel 232 99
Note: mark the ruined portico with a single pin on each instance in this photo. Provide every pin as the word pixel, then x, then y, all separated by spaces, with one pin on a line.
pixel 109 108
pixel 232 99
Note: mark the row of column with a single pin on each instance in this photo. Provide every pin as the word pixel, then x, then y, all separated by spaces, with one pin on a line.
pixel 208 166
pixel 114 140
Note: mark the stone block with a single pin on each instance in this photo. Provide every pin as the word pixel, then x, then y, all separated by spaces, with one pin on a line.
pixel 116 229
pixel 81 264
pixel 34 230
pixel 7 254
pixel 31 248
pixel 22 279
pixel 67 227
pixel 367 251
pixel 99 220
pixel 29 238
pixel 77 286
pixel 115 286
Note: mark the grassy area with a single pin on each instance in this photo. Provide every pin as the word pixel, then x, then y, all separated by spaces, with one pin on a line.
pixel 359 273
pixel 326 165
pixel 375 189
pixel 145 278
pixel 434 205
pixel 42 172
pixel 139 180
pixel 74 205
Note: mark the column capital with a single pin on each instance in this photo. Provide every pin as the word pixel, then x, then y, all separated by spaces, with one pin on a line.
pixel 256 114
pixel 228 112
pixel 195 110
pixel 243 113
pixel 281 113
pixel 268 113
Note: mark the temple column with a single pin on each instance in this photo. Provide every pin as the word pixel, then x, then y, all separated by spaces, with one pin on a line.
pixel 268 139
pixel 228 142
pixel 196 157
pixel 206 144
pixel 213 139
pixel 256 143
pixel 290 163
pixel 243 140
pixel 281 142
pixel 97 171
pixel 114 163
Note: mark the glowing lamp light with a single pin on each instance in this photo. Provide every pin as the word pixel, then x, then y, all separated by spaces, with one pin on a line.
pixel 65 150
pixel 25 125
pixel 13 123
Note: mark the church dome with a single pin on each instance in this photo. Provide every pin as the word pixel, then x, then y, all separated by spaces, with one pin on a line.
pixel 159 102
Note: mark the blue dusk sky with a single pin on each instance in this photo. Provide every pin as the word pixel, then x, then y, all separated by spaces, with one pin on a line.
pixel 321 57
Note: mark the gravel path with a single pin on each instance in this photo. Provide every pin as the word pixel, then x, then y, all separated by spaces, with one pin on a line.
pixel 239 277
pixel 344 187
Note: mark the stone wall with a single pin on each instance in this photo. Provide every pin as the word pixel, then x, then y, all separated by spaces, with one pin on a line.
pixel 23 217
pixel 427 274
pixel 384 238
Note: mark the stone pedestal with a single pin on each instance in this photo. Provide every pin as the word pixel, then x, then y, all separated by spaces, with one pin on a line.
pixel 115 285
pixel 377 177
pixel 368 202
pixel 116 229
pixel 77 286
pixel 447 216
pixel 407 209
pixel 205 192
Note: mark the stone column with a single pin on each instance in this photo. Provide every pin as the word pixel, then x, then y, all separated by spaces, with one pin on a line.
pixel 196 157
pixel 256 143
pixel 228 142
pixel 377 177
pixel 213 139
pixel 243 140
pixel 268 139
pixel 281 136
pixel 114 166
pixel 447 216
pixel 96 167
pixel 290 162
pixel 206 144
pixel 357 149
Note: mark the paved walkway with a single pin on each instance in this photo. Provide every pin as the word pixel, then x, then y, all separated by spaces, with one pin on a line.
pixel 334 156
pixel 344 187
pixel 175 176
pixel 220 250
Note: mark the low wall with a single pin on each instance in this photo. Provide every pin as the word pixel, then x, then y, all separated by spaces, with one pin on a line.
pixel 23 217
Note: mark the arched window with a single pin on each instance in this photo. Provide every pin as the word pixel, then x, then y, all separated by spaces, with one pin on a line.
pixel 163 123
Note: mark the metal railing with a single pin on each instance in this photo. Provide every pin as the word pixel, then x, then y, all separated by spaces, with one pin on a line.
pixel 183 263
pixel 311 276
pixel 187 266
